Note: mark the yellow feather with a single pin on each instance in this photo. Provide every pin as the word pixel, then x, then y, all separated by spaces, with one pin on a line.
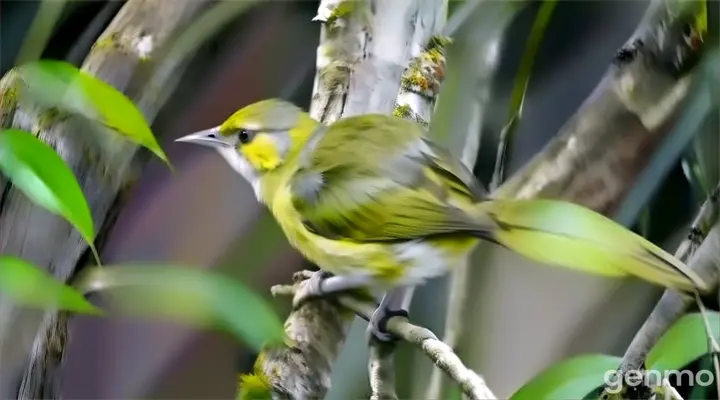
pixel 262 153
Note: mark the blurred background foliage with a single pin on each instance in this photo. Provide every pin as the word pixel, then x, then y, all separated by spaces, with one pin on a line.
pixel 205 216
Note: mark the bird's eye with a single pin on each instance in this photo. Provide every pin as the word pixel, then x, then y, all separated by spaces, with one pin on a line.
pixel 244 136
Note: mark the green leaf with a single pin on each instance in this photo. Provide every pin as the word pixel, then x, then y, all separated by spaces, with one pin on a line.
pixel 188 295
pixel 34 168
pixel 47 16
pixel 61 85
pixel 520 85
pixel 704 391
pixel 685 342
pixel 28 285
pixel 569 379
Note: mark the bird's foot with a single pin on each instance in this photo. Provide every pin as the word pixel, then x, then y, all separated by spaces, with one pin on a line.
pixel 377 326
pixel 322 284
pixel 395 303
pixel 312 289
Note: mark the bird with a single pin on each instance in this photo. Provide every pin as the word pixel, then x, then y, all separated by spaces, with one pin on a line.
pixel 375 203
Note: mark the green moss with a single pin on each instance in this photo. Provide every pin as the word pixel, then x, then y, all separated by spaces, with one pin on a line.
pixel 111 41
pixel 336 74
pixel 403 111
pixel 341 11
pixel 10 97
pixel 253 387
pixel 117 42
pixel 438 42
pixel 10 85
pixel 50 117
pixel 415 79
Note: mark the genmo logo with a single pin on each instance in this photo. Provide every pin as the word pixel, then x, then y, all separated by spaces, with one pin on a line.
pixel 633 378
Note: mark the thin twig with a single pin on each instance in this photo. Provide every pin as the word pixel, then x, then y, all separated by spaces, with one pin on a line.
pixel 381 369
pixel 472 384
pixel 703 234
pixel 712 342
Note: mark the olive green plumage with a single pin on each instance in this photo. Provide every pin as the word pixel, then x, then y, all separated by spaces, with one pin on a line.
pixel 376 178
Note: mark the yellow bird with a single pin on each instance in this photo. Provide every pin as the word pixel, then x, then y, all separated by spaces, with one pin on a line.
pixel 373 201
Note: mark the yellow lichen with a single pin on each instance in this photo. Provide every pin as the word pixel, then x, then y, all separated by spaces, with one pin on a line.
pixel 438 42
pixel 253 387
pixel 49 117
pixel 415 79
pixel 406 112
pixel 10 95
pixel 110 41
pixel 402 111
pixel 341 12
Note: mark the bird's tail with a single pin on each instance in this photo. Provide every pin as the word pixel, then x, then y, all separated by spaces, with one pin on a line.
pixel 563 234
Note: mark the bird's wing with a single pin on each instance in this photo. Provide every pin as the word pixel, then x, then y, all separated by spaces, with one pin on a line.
pixel 361 180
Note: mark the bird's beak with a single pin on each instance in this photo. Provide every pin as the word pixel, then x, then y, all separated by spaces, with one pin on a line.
pixel 208 137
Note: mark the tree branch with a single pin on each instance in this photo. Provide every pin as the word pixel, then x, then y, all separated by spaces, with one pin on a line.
pixel 101 160
pixel 419 87
pixel 700 250
pixel 441 354
pixel 599 153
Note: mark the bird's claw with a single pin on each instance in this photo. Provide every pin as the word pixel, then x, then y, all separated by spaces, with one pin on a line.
pixel 312 288
pixel 377 326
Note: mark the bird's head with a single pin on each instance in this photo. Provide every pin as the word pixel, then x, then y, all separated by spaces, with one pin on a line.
pixel 258 138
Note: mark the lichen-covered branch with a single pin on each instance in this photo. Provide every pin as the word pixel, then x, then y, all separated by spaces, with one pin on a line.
pixel 472 385
pixel 419 87
pixel 420 83
pixel 101 161
pixel 600 151
pixel 302 368
pixel 477 29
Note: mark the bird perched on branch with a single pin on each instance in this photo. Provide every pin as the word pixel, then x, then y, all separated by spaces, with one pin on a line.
pixel 371 200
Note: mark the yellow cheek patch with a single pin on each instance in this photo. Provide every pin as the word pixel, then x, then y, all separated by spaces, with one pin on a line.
pixel 262 152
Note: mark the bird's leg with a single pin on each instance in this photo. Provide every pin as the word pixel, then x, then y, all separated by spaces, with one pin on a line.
pixel 395 303
pixel 323 283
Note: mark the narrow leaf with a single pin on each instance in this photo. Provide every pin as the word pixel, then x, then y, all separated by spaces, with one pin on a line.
pixel 520 85
pixel 34 168
pixel 685 342
pixel 188 295
pixel 61 85
pixel 43 25
pixel 28 285
pixel 569 379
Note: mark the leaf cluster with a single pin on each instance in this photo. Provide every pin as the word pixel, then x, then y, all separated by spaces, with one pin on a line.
pixel 179 293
